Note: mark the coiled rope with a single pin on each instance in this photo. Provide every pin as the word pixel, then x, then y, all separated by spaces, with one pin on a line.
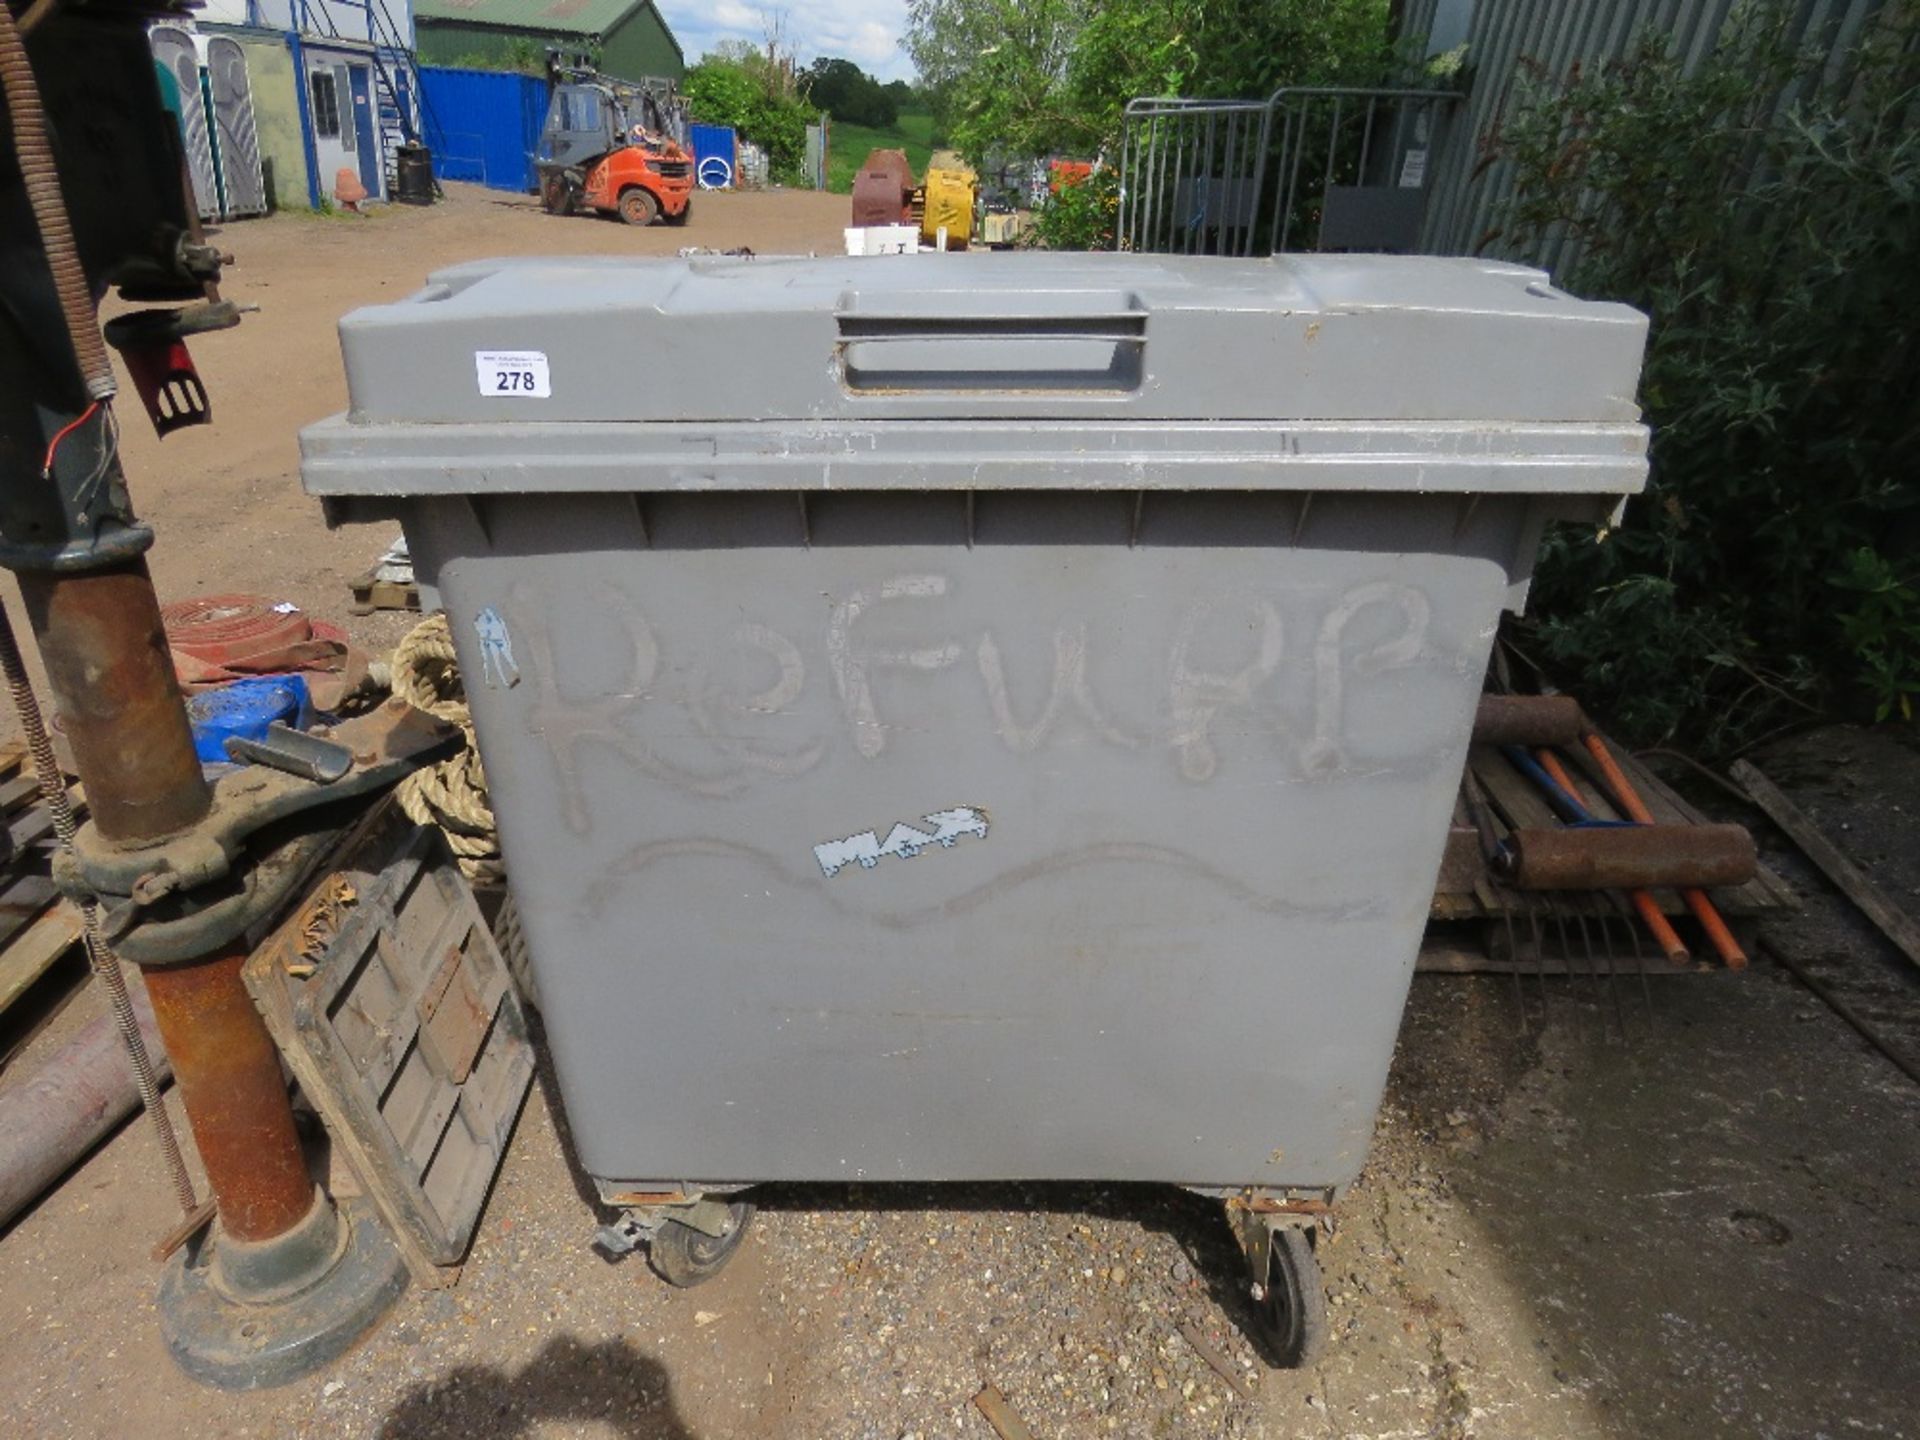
pixel 452 794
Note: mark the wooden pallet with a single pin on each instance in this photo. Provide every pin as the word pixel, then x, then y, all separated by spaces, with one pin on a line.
pixel 387 994
pixel 38 926
pixel 1477 923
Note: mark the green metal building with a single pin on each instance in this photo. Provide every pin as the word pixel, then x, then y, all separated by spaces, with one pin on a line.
pixel 628 37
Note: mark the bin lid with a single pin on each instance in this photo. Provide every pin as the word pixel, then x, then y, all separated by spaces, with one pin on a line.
pixel 1114 337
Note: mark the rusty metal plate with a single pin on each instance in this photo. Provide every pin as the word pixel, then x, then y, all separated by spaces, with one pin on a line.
pixel 454 1018
pixel 389 997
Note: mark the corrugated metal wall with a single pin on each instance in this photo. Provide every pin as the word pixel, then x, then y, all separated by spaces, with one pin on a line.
pixel 483 125
pixel 1463 206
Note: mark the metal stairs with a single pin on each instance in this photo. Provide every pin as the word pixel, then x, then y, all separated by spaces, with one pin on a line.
pixel 398 97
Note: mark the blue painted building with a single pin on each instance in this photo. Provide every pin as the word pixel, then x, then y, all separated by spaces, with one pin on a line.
pixel 356 91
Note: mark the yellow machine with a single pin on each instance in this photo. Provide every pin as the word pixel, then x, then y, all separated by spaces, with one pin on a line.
pixel 949 204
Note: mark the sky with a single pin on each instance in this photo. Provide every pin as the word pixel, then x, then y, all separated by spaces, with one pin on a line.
pixel 865 31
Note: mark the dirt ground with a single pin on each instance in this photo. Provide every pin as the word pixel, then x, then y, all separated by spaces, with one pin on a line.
pixel 1690 1214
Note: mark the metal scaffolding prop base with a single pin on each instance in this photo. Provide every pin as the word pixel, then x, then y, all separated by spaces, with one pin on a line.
pixel 315 1291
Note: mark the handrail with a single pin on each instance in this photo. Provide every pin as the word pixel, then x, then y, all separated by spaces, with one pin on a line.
pixel 383 36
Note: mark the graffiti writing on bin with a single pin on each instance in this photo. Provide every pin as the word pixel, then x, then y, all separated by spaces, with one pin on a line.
pixel 1230 672
pixel 867 849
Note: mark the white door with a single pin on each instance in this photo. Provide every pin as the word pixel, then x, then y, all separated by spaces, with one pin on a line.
pixel 330 108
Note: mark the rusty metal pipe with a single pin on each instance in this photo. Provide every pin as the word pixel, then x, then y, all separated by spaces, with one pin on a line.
pixel 1632 857
pixel 229 1077
pixel 55 1116
pixel 1527 720
pixel 116 698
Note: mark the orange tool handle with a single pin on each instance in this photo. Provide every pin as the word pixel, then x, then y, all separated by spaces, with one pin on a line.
pixel 1664 935
pixel 1697 901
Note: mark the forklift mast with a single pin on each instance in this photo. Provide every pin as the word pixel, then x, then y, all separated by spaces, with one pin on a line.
pixel 590 113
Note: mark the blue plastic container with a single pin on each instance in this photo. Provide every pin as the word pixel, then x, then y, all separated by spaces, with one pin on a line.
pixel 245 708
pixel 713 142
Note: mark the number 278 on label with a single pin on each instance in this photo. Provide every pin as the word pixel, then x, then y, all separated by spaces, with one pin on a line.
pixel 521 373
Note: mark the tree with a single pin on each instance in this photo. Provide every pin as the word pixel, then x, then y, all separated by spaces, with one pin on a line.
pixel 1054 76
pixel 997 71
pixel 720 92
pixel 849 94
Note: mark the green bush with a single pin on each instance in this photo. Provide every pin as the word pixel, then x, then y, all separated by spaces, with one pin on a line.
pixel 1765 212
pixel 757 100
pixel 1053 77
pixel 1078 214
pixel 1881 624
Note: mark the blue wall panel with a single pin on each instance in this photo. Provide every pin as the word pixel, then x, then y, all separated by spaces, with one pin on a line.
pixel 483 125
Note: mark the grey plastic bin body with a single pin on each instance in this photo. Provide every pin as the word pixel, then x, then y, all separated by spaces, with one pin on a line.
pixel 978 716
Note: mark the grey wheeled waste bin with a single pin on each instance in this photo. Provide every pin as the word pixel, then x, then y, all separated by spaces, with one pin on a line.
pixel 977 717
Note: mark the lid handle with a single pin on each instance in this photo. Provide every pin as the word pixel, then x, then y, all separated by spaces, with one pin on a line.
pixel 992 354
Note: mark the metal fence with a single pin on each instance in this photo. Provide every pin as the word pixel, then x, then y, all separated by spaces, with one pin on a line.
pixel 1320 168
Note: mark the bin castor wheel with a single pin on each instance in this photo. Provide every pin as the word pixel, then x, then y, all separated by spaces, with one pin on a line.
pixel 684 1257
pixel 1293 1301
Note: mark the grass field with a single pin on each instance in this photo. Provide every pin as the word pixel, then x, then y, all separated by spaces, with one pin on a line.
pixel 847 146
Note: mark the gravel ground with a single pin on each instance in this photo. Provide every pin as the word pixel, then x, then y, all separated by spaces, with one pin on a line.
pixel 1558 1234
pixel 1703 1228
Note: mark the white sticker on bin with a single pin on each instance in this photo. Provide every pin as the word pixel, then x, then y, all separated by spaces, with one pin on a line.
pixel 867 849
pixel 513 372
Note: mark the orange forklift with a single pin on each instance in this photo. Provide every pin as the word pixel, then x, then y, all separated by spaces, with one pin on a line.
pixel 610 146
